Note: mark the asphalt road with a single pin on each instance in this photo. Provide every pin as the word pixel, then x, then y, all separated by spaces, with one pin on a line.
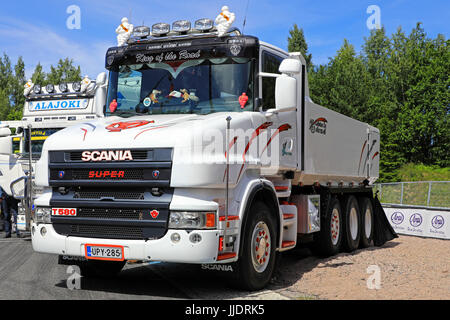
pixel 25 275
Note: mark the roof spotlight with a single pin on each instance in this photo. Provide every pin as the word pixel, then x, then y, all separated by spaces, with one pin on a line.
pixel 141 32
pixel 204 24
pixel 160 29
pixel 37 89
pixel 76 86
pixel 181 26
pixel 50 88
pixel 63 87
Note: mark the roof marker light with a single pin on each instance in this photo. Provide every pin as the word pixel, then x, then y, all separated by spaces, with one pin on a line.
pixel 160 29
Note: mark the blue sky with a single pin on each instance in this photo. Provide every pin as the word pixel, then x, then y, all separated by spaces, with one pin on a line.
pixel 37 30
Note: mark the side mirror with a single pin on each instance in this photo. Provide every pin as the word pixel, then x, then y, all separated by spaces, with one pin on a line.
pixel 101 79
pixel 290 66
pixel 285 92
pixel 6 145
pixel 5 132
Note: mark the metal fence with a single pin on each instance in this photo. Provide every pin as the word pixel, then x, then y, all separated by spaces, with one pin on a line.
pixel 425 193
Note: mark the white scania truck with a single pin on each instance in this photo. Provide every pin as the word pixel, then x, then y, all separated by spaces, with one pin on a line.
pixel 211 152
pixel 46 111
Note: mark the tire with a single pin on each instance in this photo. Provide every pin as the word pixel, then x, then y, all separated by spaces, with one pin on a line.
pixel 256 266
pixel 367 222
pixel 327 242
pixel 101 269
pixel 352 224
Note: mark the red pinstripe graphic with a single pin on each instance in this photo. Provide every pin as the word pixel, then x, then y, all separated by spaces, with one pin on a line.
pixel 284 127
pixel 255 134
pixel 85 133
pixel 360 158
pixel 154 128
pixel 232 143
pixel 376 153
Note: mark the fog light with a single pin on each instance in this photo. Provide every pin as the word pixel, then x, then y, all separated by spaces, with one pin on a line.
pixel 195 238
pixel 43 231
pixel 175 238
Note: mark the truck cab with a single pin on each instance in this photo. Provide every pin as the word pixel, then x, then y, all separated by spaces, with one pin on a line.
pixel 211 152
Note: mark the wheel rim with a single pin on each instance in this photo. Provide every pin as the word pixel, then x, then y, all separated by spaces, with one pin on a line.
pixel 353 223
pixel 261 246
pixel 335 226
pixel 368 223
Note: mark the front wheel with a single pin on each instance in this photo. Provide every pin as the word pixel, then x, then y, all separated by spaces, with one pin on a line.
pixel 257 263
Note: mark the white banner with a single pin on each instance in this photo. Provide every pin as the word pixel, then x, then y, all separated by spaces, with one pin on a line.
pixel 419 222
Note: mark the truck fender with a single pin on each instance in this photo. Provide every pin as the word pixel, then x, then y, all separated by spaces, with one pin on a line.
pixel 266 190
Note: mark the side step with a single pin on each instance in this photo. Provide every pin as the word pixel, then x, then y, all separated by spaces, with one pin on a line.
pixel 289 236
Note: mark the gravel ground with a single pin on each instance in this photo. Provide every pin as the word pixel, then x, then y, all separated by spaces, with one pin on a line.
pixel 410 268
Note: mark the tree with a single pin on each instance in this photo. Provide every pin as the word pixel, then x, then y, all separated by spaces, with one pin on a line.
pixel 297 43
pixel 399 84
pixel 39 76
pixel 65 71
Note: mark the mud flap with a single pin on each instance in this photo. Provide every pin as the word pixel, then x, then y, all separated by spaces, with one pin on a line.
pixel 383 231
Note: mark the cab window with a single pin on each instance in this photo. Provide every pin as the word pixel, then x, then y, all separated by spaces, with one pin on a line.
pixel 270 64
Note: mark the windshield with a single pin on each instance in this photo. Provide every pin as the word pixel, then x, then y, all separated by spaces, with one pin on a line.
pixel 38 137
pixel 200 86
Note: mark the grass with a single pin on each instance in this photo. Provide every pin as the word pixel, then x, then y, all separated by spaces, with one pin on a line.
pixel 417 194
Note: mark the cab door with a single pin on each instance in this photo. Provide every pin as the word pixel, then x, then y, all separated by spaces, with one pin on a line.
pixel 281 144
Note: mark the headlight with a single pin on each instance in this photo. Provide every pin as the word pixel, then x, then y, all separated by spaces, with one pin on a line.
pixel 43 215
pixel 192 220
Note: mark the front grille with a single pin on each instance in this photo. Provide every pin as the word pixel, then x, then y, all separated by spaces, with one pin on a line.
pixel 117 195
pixel 113 213
pixel 137 155
pixel 108 232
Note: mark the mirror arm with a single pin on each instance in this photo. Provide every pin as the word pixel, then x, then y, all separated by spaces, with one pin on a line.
pixel 271 112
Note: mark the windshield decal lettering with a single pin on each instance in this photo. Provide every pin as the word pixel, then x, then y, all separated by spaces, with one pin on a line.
pixel 58 105
pixel 169 56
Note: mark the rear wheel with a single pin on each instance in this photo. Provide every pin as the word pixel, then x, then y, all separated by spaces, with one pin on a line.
pixel 328 241
pixel 257 263
pixel 352 224
pixel 102 269
pixel 366 222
